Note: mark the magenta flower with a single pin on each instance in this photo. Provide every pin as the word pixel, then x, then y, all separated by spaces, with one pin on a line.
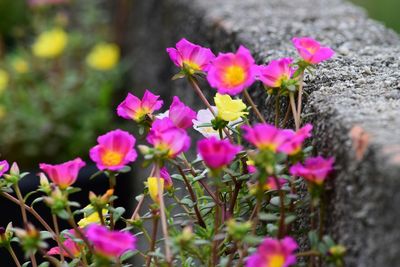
pixel 232 73
pixel 132 108
pixel 64 174
pixel 4 166
pixel 69 244
pixel 293 145
pixel 217 153
pixel 276 73
pixel 110 244
pixel 167 177
pixel 168 138
pixel 274 253
pixel 114 150
pixel 311 51
pixel 191 57
pixel 266 137
pixel 314 170
pixel 181 114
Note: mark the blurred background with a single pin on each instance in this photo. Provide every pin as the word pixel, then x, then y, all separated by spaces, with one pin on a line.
pixel 64 67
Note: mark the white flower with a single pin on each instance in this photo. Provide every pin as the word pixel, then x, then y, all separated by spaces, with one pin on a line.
pixel 204 117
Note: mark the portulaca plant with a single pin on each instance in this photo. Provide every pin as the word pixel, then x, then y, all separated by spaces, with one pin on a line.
pixel 234 204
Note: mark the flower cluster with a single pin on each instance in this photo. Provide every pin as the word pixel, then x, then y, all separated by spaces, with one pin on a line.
pixel 234 203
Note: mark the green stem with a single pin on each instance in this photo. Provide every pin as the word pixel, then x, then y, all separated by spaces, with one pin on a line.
pixel 164 225
pixel 294 111
pixel 277 110
pixel 78 231
pixel 299 98
pixel 57 230
pixel 153 239
pixel 193 197
pixel 12 253
pixel 282 227
pixel 253 106
pixel 24 218
pixel 113 182
pixel 216 228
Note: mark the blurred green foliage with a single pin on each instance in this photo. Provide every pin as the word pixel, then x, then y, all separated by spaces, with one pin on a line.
pixel 53 109
pixel 387 11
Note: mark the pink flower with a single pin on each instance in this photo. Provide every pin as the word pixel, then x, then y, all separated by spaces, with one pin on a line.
pixel 217 153
pixel 181 114
pixel 293 145
pixel 272 185
pixel 232 73
pixel 276 73
pixel 314 170
pixel 64 174
pixel 274 253
pixel 168 138
pixel 110 244
pixel 69 244
pixel 4 166
pixel 265 136
pixel 311 51
pixel 166 176
pixel 115 149
pixel 190 57
pixel 132 108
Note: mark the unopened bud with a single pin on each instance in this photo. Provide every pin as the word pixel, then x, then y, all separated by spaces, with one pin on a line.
pixel 14 169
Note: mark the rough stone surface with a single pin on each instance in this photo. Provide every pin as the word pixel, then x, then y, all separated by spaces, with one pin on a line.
pixel 353 100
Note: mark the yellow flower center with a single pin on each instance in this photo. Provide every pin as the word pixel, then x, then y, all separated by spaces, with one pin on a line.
pixel 276 261
pixel 191 66
pixel 141 113
pixel 312 49
pixel 111 158
pixel 234 75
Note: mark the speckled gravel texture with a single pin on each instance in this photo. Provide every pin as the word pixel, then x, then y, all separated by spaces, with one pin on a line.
pixel 359 88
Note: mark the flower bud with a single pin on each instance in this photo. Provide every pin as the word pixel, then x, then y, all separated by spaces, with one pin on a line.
pixel 238 230
pixel 14 169
pixel 337 251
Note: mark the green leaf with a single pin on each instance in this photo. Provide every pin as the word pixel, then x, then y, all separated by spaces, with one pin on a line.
pixel 45 235
pixel 290 218
pixel 268 217
pixel 127 255
pixel 118 213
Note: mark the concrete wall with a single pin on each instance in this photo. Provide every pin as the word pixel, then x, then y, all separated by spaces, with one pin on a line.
pixel 353 101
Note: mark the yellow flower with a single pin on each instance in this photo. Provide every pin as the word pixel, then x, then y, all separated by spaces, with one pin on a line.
pixel 152 184
pixel 103 56
pixel 20 65
pixel 50 44
pixel 4 78
pixel 229 109
pixel 91 218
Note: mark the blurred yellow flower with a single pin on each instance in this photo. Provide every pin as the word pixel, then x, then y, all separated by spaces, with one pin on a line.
pixel 92 218
pixel 229 109
pixel 103 56
pixel 4 78
pixel 20 65
pixel 152 183
pixel 50 44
